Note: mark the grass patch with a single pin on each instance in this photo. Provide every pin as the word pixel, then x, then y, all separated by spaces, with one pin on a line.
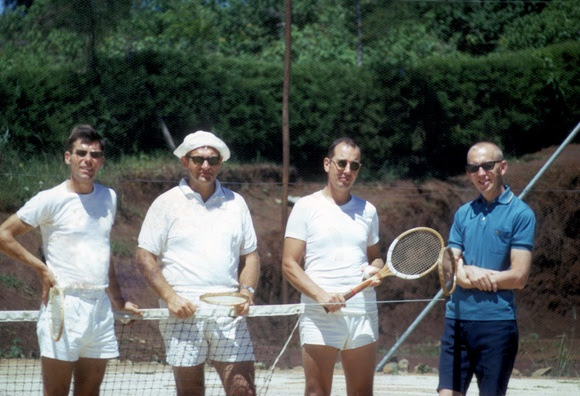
pixel 122 248
pixel 14 351
pixel 11 281
pixel 21 180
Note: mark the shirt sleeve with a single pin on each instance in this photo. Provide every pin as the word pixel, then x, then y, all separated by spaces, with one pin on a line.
pixel 374 230
pixel 250 240
pixel 152 235
pixel 296 225
pixel 456 232
pixel 36 211
pixel 524 229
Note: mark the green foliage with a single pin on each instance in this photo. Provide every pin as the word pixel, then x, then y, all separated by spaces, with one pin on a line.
pixel 496 98
pixel 123 248
pixel 23 175
pixel 12 282
pixel 557 23
pixel 414 114
pixel 14 351
pixel 217 66
pixel 475 27
pixel 247 27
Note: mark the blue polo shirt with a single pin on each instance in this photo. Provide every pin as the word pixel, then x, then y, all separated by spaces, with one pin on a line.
pixel 486 233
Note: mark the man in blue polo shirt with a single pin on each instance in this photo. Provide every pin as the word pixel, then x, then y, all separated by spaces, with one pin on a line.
pixel 493 236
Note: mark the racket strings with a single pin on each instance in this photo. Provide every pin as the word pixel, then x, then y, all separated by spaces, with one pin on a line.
pixel 416 252
pixel 224 300
pixel 56 312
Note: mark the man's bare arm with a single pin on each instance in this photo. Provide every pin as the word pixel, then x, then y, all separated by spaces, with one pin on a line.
pixel 149 268
pixel 249 270
pixel 9 230
pixel 294 273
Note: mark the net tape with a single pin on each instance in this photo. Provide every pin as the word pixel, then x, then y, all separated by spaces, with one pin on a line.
pixel 202 311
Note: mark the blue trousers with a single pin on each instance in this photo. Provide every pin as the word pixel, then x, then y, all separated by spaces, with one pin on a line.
pixel 487 349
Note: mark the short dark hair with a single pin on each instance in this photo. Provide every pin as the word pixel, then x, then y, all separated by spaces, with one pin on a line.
pixel 86 134
pixel 346 140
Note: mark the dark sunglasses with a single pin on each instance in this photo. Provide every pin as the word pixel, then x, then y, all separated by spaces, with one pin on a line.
pixel 341 164
pixel 486 166
pixel 199 160
pixel 94 154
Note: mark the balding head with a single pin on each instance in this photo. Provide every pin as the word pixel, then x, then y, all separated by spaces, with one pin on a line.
pixel 489 147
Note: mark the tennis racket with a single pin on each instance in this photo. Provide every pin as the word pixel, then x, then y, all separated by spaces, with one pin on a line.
pixel 413 254
pixel 56 310
pixel 231 299
pixel 447 271
pixel 227 298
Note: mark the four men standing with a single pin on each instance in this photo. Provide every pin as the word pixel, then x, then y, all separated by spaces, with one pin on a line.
pixel 199 238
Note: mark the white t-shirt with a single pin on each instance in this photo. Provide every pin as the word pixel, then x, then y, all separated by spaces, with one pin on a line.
pixel 336 239
pixel 199 244
pixel 75 233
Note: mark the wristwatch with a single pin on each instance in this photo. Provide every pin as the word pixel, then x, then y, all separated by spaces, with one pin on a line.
pixel 249 288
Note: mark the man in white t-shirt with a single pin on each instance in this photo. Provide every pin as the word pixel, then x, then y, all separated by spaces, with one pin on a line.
pixel 75 220
pixel 336 235
pixel 199 238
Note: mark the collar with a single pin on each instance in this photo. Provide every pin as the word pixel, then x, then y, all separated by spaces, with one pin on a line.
pixel 504 199
pixel 190 194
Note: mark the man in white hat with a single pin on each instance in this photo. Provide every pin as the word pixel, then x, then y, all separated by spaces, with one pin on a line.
pixel 196 238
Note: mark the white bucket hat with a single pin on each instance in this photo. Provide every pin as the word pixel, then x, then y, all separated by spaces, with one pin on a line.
pixel 202 139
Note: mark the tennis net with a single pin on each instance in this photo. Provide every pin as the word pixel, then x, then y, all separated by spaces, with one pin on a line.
pixel 141 368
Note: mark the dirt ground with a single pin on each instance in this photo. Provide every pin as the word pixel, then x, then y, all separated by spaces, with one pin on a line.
pixel 147 381
pixel 547 306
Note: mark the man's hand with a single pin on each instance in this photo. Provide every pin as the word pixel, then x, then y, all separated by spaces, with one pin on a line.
pixel 244 309
pixel 481 278
pixel 331 302
pixel 132 308
pixel 181 307
pixel 47 280
pixel 368 272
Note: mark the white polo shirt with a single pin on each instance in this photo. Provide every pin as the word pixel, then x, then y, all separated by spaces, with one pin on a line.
pixel 199 244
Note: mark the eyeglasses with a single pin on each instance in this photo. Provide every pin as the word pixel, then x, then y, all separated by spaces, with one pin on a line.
pixel 486 166
pixel 341 164
pixel 94 154
pixel 199 160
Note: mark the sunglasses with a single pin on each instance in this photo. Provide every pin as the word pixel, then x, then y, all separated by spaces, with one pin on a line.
pixel 486 166
pixel 199 160
pixel 341 164
pixel 94 154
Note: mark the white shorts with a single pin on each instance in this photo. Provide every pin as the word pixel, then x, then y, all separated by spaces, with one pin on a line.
pixel 192 341
pixel 339 330
pixel 89 328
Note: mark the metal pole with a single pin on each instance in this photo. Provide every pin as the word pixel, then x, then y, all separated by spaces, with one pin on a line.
pixel 286 139
pixel 286 126
pixel 440 292
pixel 549 162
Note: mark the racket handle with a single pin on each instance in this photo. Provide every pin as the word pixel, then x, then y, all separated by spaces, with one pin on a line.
pixel 346 296
pixel 361 286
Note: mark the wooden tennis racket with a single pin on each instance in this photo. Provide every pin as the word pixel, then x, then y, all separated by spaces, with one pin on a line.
pixel 231 299
pixel 412 255
pixel 447 266
pixel 226 298
pixel 56 310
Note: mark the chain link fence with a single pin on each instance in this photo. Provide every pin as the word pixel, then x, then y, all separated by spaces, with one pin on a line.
pixel 547 307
